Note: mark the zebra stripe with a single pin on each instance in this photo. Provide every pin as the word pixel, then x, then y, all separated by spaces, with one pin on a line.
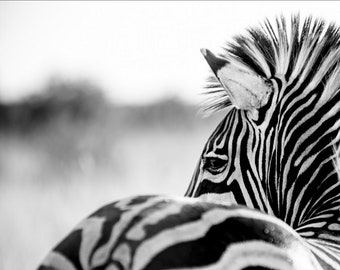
pixel 282 157
pixel 276 152
pixel 179 233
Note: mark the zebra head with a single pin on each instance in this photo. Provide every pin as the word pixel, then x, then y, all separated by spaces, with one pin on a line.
pixel 274 150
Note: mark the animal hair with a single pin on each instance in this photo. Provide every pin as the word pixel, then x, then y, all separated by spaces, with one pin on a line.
pixel 307 48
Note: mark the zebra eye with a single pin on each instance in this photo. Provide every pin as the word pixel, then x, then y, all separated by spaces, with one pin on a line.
pixel 215 165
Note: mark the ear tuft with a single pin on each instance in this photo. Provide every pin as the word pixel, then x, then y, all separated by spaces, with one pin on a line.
pixel 246 89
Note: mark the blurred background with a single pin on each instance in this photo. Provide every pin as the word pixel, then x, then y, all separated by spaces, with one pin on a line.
pixel 99 101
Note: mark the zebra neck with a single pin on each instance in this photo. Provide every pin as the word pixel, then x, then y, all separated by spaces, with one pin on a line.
pixel 302 181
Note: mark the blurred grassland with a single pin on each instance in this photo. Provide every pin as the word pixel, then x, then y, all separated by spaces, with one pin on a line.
pixel 66 151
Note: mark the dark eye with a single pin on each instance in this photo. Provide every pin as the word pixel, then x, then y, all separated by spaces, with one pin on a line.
pixel 215 165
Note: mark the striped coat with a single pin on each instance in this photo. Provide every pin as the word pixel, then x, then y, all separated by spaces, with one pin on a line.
pixel 266 188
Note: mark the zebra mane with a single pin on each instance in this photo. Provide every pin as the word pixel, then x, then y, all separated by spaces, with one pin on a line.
pixel 308 49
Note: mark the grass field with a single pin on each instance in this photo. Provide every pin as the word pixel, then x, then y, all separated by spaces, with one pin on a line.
pixel 57 175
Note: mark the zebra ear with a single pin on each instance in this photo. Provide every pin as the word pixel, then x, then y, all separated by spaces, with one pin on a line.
pixel 246 89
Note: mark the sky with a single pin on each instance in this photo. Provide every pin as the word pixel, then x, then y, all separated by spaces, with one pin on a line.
pixel 137 52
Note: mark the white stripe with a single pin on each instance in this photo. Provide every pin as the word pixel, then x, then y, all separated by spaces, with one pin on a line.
pixel 111 267
pixel 137 232
pixel 91 233
pixel 123 255
pixel 259 253
pixel 194 230
pixel 58 261
pixel 186 232
pixel 226 198
pixel 316 248
pixel 102 254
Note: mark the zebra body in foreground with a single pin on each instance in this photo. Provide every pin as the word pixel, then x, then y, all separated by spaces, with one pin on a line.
pixel 276 151
pixel 158 232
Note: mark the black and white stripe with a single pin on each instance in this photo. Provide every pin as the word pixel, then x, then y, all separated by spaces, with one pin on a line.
pixel 154 232
pixel 279 157
pixel 276 152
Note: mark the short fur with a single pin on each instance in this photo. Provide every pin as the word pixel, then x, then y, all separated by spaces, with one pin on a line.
pixel 311 49
pixel 307 49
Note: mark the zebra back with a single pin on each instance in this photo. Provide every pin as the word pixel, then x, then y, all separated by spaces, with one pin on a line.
pixel 158 232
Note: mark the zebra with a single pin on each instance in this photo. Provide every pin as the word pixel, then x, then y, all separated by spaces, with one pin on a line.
pixel 162 232
pixel 265 192
pixel 276 148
